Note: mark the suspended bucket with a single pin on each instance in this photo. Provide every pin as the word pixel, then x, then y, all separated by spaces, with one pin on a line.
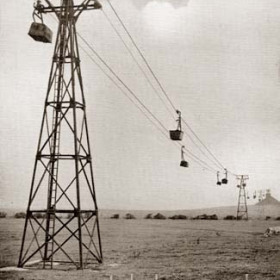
pixel 97 5
pixel 177 135
pixel 225 180
pixel 184 163
pixel 218 178
pixel 40 32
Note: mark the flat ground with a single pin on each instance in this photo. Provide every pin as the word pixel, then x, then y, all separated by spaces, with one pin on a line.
pixel 214 250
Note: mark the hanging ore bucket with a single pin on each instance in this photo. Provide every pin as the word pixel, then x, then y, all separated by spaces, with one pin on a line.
pixel 40 32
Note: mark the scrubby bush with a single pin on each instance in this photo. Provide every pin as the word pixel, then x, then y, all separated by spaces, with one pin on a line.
pixel 213 217
pixel 159 216
pixel 267 218
pixel 3 215
pixel 178 217
pixel 20 215
pixel 277 219
pixel 39 215
pixel 149 216
pixel 70 215
pixel 87 215
pixel 201 217
pixel 206 217
pixel 229 217
pixel 115 216
pixel 129 216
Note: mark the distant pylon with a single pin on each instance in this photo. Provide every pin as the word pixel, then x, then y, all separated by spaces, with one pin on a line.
pixel 242 209
pixel 61 223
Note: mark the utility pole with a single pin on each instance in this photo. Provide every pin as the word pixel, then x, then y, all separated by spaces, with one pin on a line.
pixel 61 223
pixel 242 209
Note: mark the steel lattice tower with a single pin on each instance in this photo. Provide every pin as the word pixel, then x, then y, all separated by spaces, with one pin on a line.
pixel 61 223
pixel 242 209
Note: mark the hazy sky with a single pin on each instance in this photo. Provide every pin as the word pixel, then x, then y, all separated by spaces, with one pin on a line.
pixel 219 63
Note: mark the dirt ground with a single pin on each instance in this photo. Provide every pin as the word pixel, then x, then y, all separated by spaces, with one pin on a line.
pixel 208 250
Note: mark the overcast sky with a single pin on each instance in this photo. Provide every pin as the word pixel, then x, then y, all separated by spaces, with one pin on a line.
pixel 217 60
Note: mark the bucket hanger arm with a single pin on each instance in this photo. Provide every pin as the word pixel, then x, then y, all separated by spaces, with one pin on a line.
pixel 226 173
pixel 182 153
pixel 179 120
pixel 37 11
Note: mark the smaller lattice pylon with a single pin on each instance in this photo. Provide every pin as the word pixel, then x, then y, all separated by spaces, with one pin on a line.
pixel 242 208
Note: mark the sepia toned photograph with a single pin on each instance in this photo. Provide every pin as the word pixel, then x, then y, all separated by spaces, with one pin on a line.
pixel 140 139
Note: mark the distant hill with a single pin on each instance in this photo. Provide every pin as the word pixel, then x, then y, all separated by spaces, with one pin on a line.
pixel 269 201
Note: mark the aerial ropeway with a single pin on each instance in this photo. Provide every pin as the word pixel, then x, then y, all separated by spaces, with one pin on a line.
pixel 40 32
pixel 183 163
pixel 177 135
pixel 174 135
